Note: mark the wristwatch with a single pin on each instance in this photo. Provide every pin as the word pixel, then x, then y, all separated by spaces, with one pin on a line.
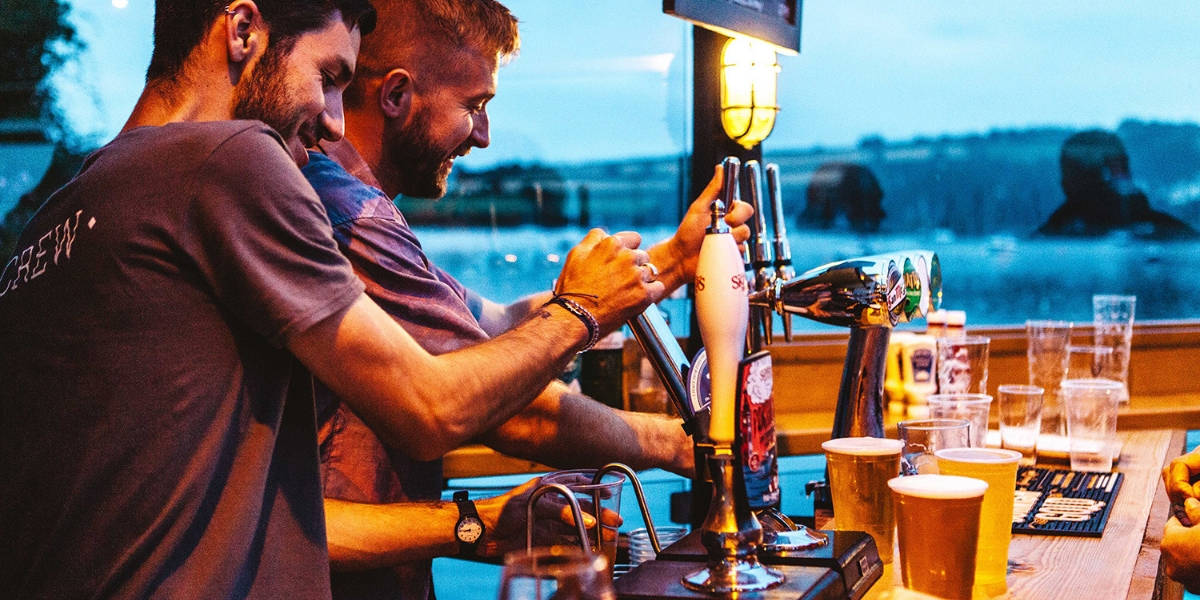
pixel 469 528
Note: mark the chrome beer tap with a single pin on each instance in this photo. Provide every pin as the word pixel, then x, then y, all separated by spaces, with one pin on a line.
pixel 730 532
pixel 762 260
pixel 869 295
pixel 784 271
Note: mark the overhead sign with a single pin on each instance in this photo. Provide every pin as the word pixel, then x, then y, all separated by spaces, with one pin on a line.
pixel 776 22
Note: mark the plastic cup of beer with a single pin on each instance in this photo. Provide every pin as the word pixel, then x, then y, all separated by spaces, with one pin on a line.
pixel 859 470
pixel 972 407
pixel 999 469
pixel 1021 419
pixel 1091 407
pixel 937 526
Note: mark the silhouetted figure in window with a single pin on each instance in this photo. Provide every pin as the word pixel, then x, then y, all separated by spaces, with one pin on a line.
pixel 1101 196
pixel 844 191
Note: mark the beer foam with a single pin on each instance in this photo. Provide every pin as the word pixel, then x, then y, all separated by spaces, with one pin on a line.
pixel 950 487
pixel 863 446
pixel 979 455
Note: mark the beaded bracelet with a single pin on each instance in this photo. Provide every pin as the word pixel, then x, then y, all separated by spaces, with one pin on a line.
pixel 582 313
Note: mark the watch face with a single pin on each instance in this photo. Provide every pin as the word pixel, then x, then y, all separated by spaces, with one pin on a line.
pixel 469 529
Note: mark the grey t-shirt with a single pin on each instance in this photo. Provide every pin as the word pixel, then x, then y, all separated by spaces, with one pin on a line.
pixel 156 440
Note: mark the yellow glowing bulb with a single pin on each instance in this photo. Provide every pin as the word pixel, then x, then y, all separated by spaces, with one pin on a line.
pixel 749 74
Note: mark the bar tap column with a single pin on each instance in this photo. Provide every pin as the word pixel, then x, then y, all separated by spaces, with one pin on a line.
pixel 730 533
pixel 784 271
pixel 869 295
pixel 762 259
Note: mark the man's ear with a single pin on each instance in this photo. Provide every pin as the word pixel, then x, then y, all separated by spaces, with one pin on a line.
pixel 245 34
pixel 396 93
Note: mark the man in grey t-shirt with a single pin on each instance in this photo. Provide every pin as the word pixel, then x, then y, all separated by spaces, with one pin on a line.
pixel 158 437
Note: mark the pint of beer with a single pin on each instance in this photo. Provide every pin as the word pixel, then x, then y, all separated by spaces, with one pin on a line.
pixel 999 469
pixel 859 470
pixel 937 522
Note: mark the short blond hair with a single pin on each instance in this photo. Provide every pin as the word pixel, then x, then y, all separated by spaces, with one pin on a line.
pixel 411 31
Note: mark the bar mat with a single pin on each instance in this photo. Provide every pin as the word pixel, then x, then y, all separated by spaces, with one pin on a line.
pixel 1062 502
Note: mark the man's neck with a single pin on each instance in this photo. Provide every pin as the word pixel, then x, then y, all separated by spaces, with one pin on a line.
pixel 202 89
pixel 345 154
pixel 155 108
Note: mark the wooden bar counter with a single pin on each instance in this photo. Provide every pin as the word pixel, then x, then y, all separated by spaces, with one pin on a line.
pixel 1124 563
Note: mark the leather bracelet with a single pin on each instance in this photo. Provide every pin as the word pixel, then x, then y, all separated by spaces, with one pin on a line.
pixel 582 313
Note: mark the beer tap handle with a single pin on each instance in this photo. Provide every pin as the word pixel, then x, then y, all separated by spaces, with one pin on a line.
pixel 762 257
pixel 671 364
pixel 731 169
pixel 731 193
pixel 722 312
pixel 783 250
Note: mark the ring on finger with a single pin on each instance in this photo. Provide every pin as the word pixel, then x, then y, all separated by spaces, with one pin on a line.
pixel 653 270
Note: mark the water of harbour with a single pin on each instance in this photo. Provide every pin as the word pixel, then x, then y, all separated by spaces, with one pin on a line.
pixel 997 279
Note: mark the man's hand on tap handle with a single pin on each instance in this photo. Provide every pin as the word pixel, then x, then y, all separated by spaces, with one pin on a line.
pixel 676 257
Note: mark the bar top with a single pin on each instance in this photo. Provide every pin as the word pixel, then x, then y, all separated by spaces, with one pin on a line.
pixel 1124 563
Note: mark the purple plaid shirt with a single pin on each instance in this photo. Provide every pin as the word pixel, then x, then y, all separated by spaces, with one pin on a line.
pixel 436 310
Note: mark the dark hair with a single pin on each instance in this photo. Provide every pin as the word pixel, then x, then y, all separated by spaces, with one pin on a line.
pixel 180 25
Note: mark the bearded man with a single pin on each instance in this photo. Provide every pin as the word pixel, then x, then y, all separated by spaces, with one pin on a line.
pixel 159 439
pixel 418 103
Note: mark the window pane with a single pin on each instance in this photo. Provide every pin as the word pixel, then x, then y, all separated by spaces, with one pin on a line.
pixel 956 118
pixel 589 128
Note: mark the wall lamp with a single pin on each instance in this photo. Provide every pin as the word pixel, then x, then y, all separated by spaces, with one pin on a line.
pixel 749 73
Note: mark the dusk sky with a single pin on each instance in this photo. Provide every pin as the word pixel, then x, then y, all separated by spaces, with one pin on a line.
pixel 606 79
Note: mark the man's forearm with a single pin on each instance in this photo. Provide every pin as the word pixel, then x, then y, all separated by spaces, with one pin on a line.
pixel 498 318
pixel 371 536
pixel 563 429
pixel 428 405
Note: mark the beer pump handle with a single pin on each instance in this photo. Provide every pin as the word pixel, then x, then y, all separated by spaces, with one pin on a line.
pixel 670 362
pixel 783 249
pixel 731 193
pixel 784 270
pixel 762 258
pixel 722 311
pixel 763 255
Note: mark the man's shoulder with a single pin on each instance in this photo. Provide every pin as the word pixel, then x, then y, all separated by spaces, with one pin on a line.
pixel 346 198
pixel 219 147
pixel 205 135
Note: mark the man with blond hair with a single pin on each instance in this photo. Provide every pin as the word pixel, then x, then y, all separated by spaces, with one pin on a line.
pixel 419 102
pixel 158 435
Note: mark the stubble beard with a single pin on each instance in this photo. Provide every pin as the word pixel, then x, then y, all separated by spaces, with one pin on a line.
pixel 418 166
pixel 264 96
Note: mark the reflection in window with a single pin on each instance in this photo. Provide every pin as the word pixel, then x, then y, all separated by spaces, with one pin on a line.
pixel 901 126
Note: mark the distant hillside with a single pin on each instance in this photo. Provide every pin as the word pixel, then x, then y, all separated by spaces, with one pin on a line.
pixel 1005 181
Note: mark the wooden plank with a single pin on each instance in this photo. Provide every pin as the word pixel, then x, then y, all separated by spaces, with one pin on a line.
pixel 1065 567
pixel 803 432
pixel 1148 578
pixel 1122 563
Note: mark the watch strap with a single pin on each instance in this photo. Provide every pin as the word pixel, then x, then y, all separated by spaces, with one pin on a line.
pixel 466 510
